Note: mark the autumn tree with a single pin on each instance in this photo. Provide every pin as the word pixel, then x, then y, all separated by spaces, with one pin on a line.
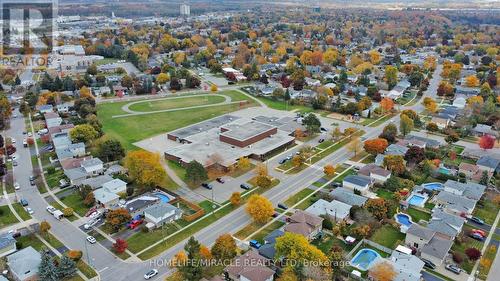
pixel 387 104
pixel 376 146
pixel 329 170
pixel 83 133
pixel 235 198
pixel 405 124
pixel 354 145
pixel 259 208
pixel 472 81
pixel 120 246
pixel 486 142
pixel 296 247
pixel 430 104
pixel 382 271
pixel 162 78
pixel 389 133
pixel 391 76
pixel 213 88
pixel 415 154
pixel 145 168
pixel 224 248
pixel 243 163
pixel 394 163
pixel 118 218
pixel 378 207
pixel 191 270
pixel 44 227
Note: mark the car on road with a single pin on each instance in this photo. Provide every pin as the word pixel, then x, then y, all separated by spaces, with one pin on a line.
pixel 30 134
pixel 220 180
pixel 479 231
pixel 321 140
pixel 134 224
pixel 282 161
pixel 207 185
pixel 50 209
pixel 24 202
pixel 289 157
pixel 323 129
pixel 428 264
pixel 25 143
pixel 245 186
pixel 477 220
pixel 336 184
pixel 255 244
pixel 12 140
pixel 453 268
pixel 17 186
pixel 91 239
pixel 91 223
pixel 30 211
pixel 282 206
pixel 14 163
pixel 476 236
pixel 150 274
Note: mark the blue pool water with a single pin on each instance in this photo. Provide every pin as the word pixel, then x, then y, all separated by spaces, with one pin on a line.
pixel 403 219
pixel 416 200
pixel 433 186
pixel 364 259
pixel 444 170
pixel 163 197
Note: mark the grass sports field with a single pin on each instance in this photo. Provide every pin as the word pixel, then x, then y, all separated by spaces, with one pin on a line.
pixel 131 129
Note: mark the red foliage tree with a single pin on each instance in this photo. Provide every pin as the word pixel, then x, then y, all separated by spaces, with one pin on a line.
pixel 473 253
pixel 486 142
pixel 120 246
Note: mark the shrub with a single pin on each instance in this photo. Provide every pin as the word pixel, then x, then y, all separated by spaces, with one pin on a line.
pixel 473 253
pixel 458 258
pixel 51 170
pixel 68 212
pixel 327 223
pixel 75 255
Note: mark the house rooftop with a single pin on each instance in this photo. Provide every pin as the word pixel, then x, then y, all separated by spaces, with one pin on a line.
pixel 420 231
pixel 24 263
pixel 347 196
pixel 456 202
pixel 6 240
pixel 437 247
pixel 250 266
pixel 159 210
pixel 445 223
pixel 470 190
pixel 358 180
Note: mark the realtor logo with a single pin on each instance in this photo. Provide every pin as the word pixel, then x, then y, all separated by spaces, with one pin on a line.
pixel 27 26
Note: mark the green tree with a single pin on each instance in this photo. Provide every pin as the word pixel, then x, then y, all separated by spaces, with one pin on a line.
pixel 312 123
pixel 389 133
pixel 66 268
pixel 83 133
pixel 405 124
pixel 192 270
pixel 111 150
pixel 47 270
pixel 391 76
pixel 195 173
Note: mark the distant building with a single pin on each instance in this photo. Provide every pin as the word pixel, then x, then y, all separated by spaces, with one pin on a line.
pixel 185 10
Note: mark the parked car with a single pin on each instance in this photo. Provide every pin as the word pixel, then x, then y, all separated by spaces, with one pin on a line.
pixel 282 206
pixel 29 210
pixel 63 183
pixel 255 244
pixel 150 274
pixel 477 220
pixel 14 163
pixel 321 140
pixel 275 214
pixel 476 236
pixel 282 161
pixel 428 264
pixel 91 223
pixel 17 186
pixel 336 184
pixel 32 180
pixel 51 209
pixel 134 224
pixel 245 186
pixel 220 180
pixel 91 239
pixel 24 202
pixel 453 268
pixel 206 185
pixel 323 129
pixel 480 232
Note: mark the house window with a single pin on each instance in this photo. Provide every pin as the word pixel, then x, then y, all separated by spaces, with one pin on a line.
pixel 415 245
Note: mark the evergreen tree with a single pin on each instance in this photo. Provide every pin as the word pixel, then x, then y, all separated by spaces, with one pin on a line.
pixel 47 270
pixel 66 268
pixel 17 81
pixel 195 172
pixel 192 270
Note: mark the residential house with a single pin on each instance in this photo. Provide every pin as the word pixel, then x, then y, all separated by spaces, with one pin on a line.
pixel 454 203
pixel 428 142
pixel 398 90
pixel 469 190
pixel 162 213
pixel 490 163
pixel 430 244
pixel 441 122
pixel 250 266
pixel 97 182
pixel 407 267
pixel 467 91
pixel 7 244
pixel 73 150
pixel 312 82
pixel 109 194
pixel 46 108
pixel 447 224
pixel 347 196
pixel 460 101
pixel 472 172
pixel 335 210
pixel 355 182
pixel 23 265
pixel 376 173
pixel 304 223
pixel 61 140
pixel 93 166
pixel 482 129
pixel 52 119
pixel 268 249
pixel 64 107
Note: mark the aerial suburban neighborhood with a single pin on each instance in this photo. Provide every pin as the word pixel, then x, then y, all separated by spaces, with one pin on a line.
pixel 250 140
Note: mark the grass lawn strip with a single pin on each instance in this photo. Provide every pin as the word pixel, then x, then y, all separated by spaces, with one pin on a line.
pixel 21 211
pixel 6 216
pixel 387 236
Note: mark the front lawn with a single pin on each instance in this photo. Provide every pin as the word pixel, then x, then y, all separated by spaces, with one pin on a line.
pixel 53 179
pixel 21 211
pixel 294 199
pixel 253 227
pixel 6 217
pixel 486 209
pixel 75 201
pixel 388 236
pixel 142 240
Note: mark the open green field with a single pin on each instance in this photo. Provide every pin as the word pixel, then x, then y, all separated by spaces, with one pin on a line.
pixel 131 129
pixel 6 216
pixel 178 102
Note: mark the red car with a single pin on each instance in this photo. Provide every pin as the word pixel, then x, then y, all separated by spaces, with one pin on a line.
pixel 135 223
pixel 480 232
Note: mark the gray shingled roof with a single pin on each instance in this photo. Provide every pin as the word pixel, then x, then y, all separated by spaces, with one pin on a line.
pixel 470 190
pixel 488 161
pixel 456 202
pixel 24 263
pixel 420 231
pixel 6 240
pixel 446 223
pixel 160 209
pixel 438 247
pixel 347 196
pixel 358 180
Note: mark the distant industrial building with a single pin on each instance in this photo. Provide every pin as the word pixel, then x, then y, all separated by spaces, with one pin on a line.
pixel 185 10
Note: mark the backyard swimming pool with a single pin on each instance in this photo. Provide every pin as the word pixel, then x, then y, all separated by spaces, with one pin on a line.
pixel 163 197
pixel 403 219
pixel 433 186
pixel 417 199
pixel 364 259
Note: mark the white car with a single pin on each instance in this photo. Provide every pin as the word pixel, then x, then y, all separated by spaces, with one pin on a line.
pixel 30 211
pixel 95 214
pixel 16 186
pixel 150 274
pixel 91 223
pixel 51 209
pixel 91 239
pixel 30 134
pixel 12 140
